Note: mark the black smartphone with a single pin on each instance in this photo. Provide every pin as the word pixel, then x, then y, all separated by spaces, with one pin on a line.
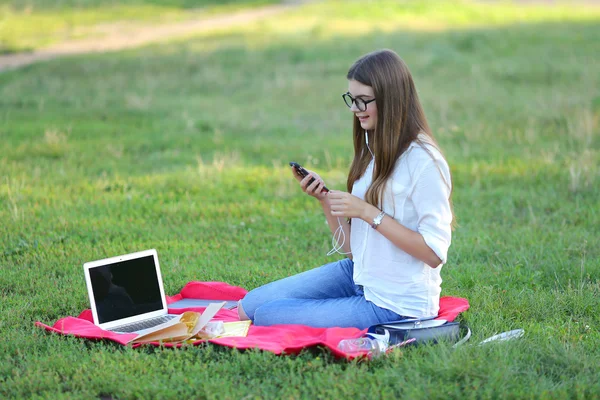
pixel 302 172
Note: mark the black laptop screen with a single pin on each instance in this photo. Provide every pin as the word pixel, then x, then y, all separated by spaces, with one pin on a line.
pixel 125 289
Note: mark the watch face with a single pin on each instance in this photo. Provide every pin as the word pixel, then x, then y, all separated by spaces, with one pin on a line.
pixel 377 220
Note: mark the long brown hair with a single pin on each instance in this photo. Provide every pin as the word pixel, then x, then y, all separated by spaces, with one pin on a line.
pixel 400 119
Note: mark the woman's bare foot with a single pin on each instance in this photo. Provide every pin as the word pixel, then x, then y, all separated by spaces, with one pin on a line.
pixel 241 313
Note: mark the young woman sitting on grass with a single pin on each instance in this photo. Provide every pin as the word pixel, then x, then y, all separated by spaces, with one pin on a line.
pixel 397 215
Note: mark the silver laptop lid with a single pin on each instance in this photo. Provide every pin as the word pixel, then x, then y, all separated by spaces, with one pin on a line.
pixel 125 289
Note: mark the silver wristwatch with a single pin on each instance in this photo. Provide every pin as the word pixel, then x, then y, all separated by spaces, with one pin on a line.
pixel 377 220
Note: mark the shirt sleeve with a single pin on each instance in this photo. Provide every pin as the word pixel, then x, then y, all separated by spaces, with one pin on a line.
pixel 431 198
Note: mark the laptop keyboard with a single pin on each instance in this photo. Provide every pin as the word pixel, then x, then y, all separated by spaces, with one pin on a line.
pixel 138 326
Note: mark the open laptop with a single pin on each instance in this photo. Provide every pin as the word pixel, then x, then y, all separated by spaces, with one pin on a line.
pixel 126 292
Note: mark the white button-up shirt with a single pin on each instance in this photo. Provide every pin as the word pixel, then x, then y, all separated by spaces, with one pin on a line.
pixel 417 196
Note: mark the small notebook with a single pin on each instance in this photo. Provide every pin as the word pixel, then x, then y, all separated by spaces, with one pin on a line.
pixel 189 303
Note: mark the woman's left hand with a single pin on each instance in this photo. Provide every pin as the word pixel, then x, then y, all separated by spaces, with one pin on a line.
pixel 343 204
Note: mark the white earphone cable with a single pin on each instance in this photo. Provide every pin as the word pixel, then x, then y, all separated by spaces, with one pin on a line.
pixel 367 142
pixel 335 240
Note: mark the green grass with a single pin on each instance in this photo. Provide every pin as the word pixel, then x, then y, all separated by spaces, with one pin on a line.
pixel 183 147
pixel 33 24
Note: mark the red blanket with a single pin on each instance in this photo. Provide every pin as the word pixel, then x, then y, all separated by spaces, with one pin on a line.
pixel 286 339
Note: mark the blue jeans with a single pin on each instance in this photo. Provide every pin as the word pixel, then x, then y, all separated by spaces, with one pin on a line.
pixel 322 297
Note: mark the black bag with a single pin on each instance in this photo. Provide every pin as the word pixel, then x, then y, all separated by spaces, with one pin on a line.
pixel 414 332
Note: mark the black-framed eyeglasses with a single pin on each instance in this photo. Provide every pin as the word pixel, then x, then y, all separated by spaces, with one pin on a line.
pixel 361 104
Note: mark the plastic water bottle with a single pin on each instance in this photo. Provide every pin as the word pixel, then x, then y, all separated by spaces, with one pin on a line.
pixel 374 346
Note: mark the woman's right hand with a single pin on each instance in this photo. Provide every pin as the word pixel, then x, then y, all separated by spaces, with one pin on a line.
pixel 315 189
